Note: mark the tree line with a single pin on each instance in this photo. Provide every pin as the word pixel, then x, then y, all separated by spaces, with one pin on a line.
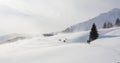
pixel 109 24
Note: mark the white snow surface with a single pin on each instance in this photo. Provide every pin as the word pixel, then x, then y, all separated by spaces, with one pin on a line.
pixel 41 49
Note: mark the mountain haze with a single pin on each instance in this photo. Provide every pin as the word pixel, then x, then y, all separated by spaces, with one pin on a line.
pixel 109 16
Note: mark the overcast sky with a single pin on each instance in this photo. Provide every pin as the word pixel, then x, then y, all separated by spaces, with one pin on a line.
pixel 55 15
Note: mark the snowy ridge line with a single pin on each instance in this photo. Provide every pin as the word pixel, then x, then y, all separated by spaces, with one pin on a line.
pixel 110 17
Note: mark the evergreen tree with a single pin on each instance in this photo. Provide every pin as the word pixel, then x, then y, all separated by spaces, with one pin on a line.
pixel 117 23
pixel 93 33
pixel 109 25
pixel 105 25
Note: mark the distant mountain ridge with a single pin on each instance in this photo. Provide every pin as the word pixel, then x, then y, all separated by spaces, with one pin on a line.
pixel 110 16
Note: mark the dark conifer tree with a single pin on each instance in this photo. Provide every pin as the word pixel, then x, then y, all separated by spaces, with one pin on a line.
pixel 105 25
pixel 117 23
pixel 109 25
pixel 93 33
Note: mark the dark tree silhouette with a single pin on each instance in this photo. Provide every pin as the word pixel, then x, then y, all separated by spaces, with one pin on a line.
pixel 117 23
pixel 105 25
pixel 109 25
pixel 93 33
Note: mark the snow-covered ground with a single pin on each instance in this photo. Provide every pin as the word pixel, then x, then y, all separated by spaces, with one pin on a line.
pixel 41 49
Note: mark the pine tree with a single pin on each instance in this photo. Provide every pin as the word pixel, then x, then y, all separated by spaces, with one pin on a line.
pixel 93 33
pixel 117 23
pixel 109 25
pixel 105 25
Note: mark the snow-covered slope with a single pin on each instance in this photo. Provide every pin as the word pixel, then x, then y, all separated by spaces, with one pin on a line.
pixel 110 16
pixel 13 37
pixel 83 36
pixel 40 49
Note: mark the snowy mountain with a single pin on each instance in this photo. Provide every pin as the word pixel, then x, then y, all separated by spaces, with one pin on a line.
pixel 21 22
pixel 110 16
pixel 22 48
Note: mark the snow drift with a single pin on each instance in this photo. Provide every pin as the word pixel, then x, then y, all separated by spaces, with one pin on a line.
pixel 40 49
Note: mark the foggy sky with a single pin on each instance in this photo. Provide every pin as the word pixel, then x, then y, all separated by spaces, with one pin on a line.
pixel 56 15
